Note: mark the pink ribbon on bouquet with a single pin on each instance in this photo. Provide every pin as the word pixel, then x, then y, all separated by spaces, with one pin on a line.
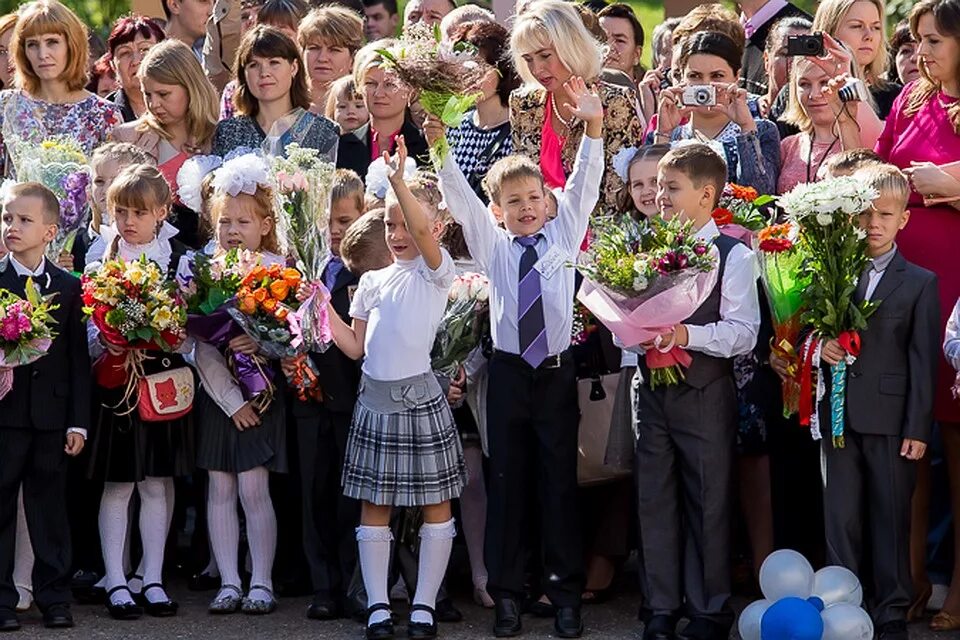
pixel 318 323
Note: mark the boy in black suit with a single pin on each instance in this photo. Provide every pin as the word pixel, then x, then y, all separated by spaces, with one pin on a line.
pixel 49 403
pixel 869 482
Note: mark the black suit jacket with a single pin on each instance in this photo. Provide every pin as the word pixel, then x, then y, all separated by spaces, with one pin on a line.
pixel 890 387
pixel 339 376
pixel 353 151
pixel 753 76
pixel 53 393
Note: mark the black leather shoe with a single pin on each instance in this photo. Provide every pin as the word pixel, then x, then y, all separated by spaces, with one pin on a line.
pixel 568 623
pixel 323 607
pixel 381 630
pixel 704 629
pixel 447 612
pixel 660 627
pixel 164 609
pixel 125 611
pixel 507 622
pixel 58 616
pixel 9 620
pixel 422 629
pixel 893 630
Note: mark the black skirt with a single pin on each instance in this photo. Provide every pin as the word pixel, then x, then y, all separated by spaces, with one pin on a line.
pixel 222 447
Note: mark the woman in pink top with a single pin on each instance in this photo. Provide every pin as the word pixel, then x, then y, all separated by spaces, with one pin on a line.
pixel 924 127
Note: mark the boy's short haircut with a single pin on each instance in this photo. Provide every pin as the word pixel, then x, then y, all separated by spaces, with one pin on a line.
pixel 123 153
pixel 888 180
pixel 513 167
pixel 848 162
pixel 48 200
pixel 347 184
pixel 701 164
pixel 364 245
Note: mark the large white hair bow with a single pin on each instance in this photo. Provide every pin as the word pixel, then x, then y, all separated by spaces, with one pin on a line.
pixel 190 179
pixel 378 181
pixel 242 174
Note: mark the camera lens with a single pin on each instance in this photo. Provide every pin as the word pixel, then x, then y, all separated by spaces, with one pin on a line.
pixel 702 96
pixel 811 46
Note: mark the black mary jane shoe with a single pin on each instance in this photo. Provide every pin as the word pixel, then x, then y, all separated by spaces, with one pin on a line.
pixel 164 609
pixel 422 629
pixel 380 630
pixel 125 611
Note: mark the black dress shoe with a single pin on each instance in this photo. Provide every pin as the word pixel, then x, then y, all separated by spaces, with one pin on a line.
pixel 203 582
pixel 568 623
pixel 893 630
pixel 323 607
pixel 164 609
pixel 507 622
pixel 9 620
pixel 704 629
pixel 422 629
pixel 125 611
pixel 447 612
pixel 380 630
pixel 660 627
pixel 58 616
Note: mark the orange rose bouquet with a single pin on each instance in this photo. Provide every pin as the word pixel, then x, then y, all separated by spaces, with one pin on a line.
pixel 266 309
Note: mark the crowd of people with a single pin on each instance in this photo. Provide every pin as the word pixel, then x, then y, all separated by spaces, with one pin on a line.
pixel 351 491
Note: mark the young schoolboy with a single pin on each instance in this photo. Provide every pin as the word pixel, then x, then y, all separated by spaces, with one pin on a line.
pixel 869 481
pixel 364 245
pixel 687 431
pixel 532 410
pixel 45 415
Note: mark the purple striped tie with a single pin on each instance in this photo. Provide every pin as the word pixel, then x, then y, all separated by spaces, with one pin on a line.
pixel 533 330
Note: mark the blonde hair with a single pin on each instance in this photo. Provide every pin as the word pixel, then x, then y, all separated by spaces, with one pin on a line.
pixel 139 186
pixel 513 167
pixel 555 23
pixel 709 17
pixel 364 245
pixel 795 114
pixel 926 88
pixel 368 58
pixel 345 86
pixel 830 15
pixel 888 180
pixel 347 185
pixel 263 198
pixel 335 25
pixel 50 17
pixel 425 187
pixel 172 62
pixel 123 154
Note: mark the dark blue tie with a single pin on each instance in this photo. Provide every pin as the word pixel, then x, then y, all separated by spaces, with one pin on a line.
pixel 533 330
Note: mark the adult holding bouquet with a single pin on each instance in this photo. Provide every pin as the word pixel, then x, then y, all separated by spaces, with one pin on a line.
pixel 550 45
pixel 50 51
pixel 128 43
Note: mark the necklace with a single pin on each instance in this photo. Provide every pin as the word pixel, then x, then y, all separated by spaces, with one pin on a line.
pixel 811 173
pixel 566 123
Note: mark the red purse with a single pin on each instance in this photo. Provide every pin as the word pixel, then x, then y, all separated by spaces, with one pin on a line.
pixel 165 396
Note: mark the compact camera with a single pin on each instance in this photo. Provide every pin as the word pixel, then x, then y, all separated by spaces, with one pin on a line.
pixel 699 96
pixel 805 45
pixel 666 81
pixel 853 91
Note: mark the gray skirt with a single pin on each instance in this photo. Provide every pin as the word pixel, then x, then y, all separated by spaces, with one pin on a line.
pixel 403 449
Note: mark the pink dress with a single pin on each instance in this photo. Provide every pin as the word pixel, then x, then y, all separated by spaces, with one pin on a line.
pixel 930 239
pixel 796 163
pixel 551 153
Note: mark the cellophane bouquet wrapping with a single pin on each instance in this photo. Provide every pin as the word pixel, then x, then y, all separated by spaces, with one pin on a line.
pixel 643 278
pixel 464 322
pixel 266 306
pixel 827 214
pixel 740 212
pixel 780 258
pixel 445 76
pixel 26 330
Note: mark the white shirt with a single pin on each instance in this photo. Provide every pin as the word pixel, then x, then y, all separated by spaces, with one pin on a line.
pixel 402 305
pixel 498 254
pixel 736 332
pixel 951 339
pixel 37 274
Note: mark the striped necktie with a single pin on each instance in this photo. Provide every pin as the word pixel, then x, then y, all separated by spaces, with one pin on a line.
pixel 533 330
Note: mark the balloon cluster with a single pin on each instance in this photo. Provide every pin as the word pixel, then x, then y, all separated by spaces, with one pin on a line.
pixel 802 605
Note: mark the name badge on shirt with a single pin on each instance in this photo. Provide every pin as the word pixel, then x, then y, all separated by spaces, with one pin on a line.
pixel 548 264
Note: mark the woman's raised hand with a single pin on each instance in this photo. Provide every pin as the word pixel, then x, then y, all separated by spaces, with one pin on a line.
pixel 670 113
pixel 434 130
pixel 836 58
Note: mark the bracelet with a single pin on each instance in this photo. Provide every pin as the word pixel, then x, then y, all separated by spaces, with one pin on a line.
pixel 657 135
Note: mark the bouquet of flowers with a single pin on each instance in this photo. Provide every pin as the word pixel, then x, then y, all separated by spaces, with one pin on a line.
pixel 739 213
pixel 446 77
pixel 266 309
pixel 26 330
pixel 781 260
pixel 642 278
pixel 464 322
pixel 827 215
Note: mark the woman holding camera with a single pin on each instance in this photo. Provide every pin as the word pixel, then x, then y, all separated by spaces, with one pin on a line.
pixel 716 112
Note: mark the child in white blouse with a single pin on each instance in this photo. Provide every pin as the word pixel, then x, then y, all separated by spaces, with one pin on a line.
pixel 403 448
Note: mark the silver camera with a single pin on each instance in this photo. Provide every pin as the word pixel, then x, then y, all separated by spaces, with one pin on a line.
pixel 853 91
pixel 699 96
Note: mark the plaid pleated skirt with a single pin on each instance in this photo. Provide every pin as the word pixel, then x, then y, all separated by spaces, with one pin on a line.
pixel 403 449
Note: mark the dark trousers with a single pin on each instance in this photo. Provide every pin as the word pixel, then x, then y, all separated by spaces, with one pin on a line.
pixel 867 512
pixel 37 460
pixel 329 518
pixel 684 490
pixel 532 419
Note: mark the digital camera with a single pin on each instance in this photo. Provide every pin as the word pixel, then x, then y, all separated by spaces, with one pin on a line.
pixel 699 96
pixel 805 45
pixel 853 91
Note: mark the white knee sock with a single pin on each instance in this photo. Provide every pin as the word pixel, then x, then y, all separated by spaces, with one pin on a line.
pixel 261 528
pixel 373 545
pixel 113 521
pixel 224 525
pixel 436 541
pixel 154 526
pixel 23 553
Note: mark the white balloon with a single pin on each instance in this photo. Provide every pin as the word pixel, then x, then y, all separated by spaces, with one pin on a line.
pixel 837 585
pixel 846 622
pixel 749 623
pixel 786 573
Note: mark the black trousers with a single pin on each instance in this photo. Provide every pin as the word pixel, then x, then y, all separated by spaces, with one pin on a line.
pixel 37 460
pixel 532 419
pixel 329 517
pixel 867 512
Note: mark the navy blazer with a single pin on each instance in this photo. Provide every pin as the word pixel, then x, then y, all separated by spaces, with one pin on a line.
pixel 53 393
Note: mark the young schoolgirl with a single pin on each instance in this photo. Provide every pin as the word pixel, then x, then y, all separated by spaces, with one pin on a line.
pixel 237 444
pixel 640 176
pixel 126 453
pixel 403 449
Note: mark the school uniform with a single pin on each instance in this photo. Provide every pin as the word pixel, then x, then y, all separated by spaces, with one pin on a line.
pixel 532 412
pixel 685 451
pixel 49 398
pixel 889 397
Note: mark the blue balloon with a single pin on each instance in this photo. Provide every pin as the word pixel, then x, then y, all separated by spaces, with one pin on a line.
pixel 791 619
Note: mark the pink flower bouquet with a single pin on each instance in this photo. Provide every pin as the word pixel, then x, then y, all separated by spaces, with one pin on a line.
pixel 26 331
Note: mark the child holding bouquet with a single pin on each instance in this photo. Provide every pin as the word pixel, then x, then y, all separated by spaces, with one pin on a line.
pixel 403 448
pixel 44 414
pixel 128 453
pixel 687 430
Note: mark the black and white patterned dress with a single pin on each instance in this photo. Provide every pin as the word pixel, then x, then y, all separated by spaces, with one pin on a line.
pixel 476 149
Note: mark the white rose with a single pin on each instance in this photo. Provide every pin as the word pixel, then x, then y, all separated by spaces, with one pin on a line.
pixel 456 289
pixel 483 292
pixel 824 219
pixel 640 283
